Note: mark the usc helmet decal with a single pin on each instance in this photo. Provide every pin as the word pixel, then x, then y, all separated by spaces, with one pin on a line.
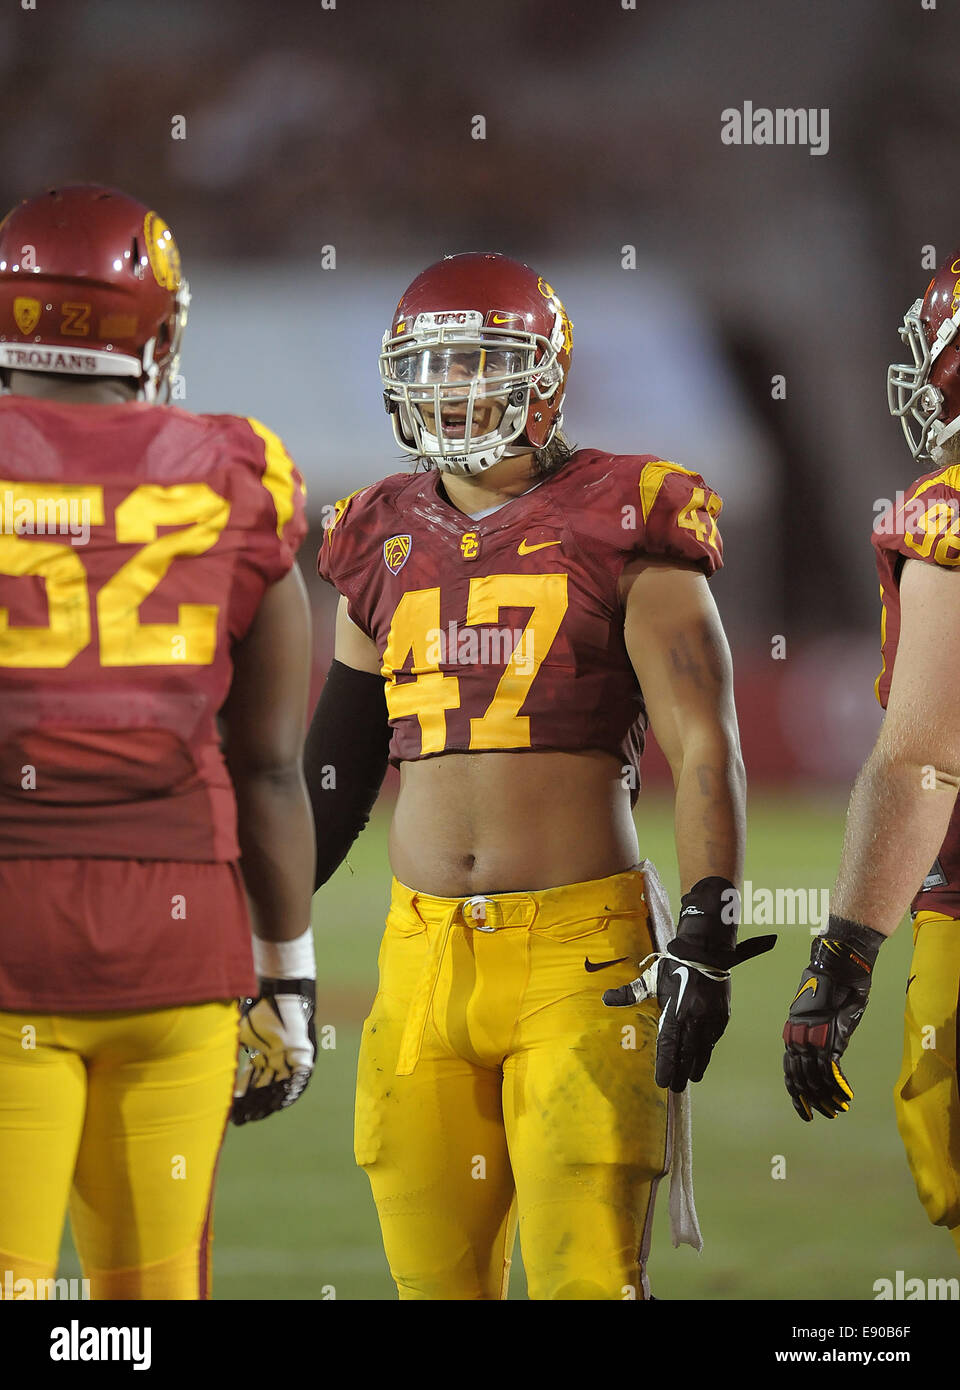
pixel 91 284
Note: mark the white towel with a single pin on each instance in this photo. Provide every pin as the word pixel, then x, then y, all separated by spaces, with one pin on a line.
pixel 684 1226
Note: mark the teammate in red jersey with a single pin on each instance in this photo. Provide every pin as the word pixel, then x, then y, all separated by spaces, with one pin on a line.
pixel 509 619
pixel 147 588
pixel 903 815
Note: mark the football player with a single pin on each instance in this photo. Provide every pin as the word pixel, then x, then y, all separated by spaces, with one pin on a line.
pixel 512 613
pixel 903 815
pixel 147 590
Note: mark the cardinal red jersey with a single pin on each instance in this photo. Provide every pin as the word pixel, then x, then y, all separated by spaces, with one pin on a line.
pixel 507 632
pixel 136 542
pixel 923 525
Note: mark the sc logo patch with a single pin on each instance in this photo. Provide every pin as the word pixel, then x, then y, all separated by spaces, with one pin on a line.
pixel 470 545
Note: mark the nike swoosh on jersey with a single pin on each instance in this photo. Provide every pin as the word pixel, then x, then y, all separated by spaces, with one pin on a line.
pixel 810 984
pixel 602 964
pixel 524 549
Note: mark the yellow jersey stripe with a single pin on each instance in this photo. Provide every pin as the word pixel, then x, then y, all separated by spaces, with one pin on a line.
pixel 340 507
pixel 950 477
pixel 652 477
pixel 883 643
pixel 278 476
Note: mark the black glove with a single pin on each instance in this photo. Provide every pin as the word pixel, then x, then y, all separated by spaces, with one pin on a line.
pixel 278 1032
pixel 691 980
pixel 827 1007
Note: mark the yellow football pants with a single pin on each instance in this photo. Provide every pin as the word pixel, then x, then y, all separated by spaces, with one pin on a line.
pixel 122 1115
pixel 925 1096
pixel 494 1081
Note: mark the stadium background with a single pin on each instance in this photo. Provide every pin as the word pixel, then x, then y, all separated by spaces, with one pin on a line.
pixel 349 127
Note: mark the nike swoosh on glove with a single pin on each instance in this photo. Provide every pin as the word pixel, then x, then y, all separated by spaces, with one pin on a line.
pixel 691 981
pixel 694 1011
pixel 277 1030
pixel 826 1009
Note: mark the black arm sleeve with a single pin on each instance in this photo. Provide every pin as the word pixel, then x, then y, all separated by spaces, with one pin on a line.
pixel 344 760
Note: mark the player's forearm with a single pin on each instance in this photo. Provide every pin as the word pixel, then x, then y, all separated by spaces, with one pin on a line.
pixel 344 760
pixel 898 816
pixel 277 850
pixel 710 815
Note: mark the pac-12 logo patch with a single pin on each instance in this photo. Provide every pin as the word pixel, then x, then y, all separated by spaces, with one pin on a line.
pixel 395 553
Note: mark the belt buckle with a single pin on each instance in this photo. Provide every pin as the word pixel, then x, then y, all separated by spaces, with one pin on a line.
pixel 475 912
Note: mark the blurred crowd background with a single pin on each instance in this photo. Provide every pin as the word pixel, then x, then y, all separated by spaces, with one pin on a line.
pixel 328 157
pixel 310 124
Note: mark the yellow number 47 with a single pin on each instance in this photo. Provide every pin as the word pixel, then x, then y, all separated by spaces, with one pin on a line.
pixel 430 693
pixel 689 516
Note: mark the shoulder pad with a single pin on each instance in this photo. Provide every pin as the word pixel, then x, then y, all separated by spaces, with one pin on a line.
pixel 283 481
pixel 643 505
pixel 679 515
pixel 923 523
pixel 268 486
pixel 353 531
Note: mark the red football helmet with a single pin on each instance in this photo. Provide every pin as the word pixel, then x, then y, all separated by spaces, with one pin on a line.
pixel 475 361
pixel 925 395
pixel 90 284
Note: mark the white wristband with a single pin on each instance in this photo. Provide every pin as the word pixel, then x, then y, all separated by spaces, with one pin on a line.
pixel 285 960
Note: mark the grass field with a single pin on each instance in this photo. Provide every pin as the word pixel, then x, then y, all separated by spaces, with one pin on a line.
pixel 294 1215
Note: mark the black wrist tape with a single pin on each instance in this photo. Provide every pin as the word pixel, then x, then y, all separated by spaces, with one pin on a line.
pixel 709 915
pixel 846 949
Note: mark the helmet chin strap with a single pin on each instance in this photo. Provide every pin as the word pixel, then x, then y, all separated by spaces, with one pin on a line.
pixel 466 465
pixel 477 460
pixel 948 432
pixel 479 463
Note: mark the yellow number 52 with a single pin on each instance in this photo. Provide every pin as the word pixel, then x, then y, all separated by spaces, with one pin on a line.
pixel 124 640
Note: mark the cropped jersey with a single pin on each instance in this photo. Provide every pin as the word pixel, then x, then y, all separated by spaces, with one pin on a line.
pixel 506 633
